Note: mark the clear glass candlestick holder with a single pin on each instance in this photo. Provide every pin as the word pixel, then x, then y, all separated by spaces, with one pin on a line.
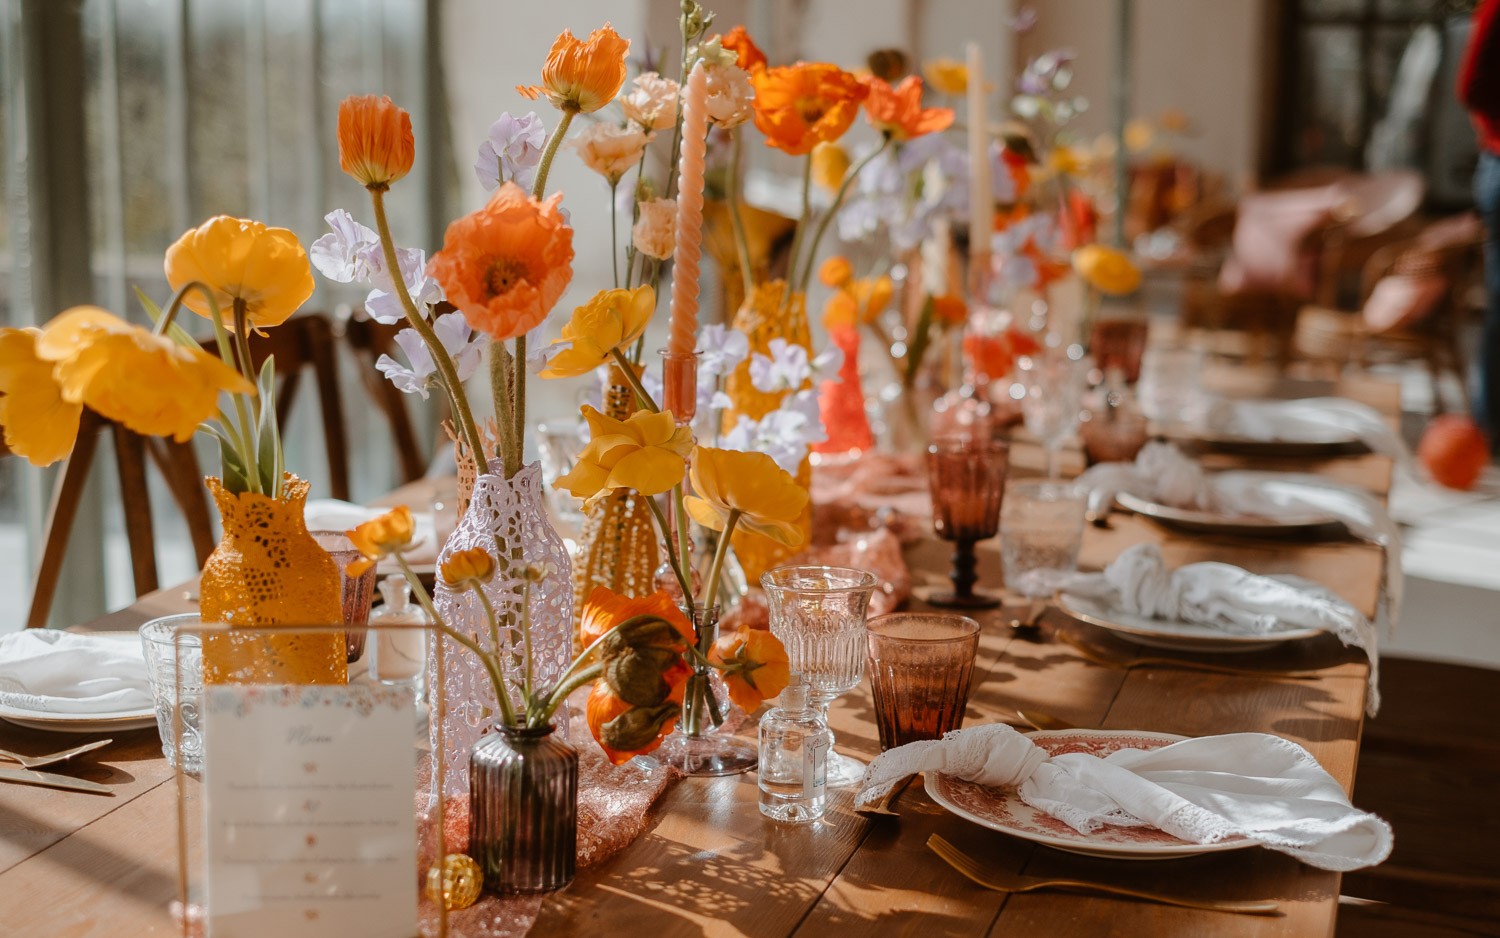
pixel 818 612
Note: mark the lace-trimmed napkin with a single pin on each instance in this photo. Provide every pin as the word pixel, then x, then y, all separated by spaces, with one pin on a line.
pixel 1253 785
pixel 62 672
pixel 1164 474
pixel 1215 595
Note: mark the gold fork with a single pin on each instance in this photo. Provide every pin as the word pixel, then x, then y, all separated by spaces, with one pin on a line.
pixel 1015 883
pixel 1149 662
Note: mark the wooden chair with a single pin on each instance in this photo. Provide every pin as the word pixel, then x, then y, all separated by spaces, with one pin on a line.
pixel 368 340
pixel 176 462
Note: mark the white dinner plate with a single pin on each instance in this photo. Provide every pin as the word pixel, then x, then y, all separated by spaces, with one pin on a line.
pixel 84 722
pixel 1208 522
pixel 1333 443
pixel 1171 633
pixel 1001 809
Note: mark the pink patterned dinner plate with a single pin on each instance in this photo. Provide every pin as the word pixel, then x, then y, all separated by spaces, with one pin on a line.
pixel 1003 810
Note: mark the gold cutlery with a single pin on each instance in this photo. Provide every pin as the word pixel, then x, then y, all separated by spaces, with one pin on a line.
pixel 36 762
pixel 1041 720
pixel 49 780
pixel 1127 664
pixel 1007 882
pixel 1030 620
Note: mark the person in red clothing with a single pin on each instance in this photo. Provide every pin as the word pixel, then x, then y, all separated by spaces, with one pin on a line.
pixel 1479 90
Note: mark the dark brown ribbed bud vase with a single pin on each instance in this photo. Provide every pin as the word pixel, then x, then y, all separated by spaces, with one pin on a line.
pixel 523 810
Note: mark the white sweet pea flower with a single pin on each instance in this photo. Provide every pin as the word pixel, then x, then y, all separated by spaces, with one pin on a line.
pixel 786 369
pixel 462 344
pixel 383 304
pixel 723 348
pixel 826 366
pixel 511 151
pixel 343 256
pixel 785 434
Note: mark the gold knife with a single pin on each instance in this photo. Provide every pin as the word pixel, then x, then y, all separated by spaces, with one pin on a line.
pixel 50 780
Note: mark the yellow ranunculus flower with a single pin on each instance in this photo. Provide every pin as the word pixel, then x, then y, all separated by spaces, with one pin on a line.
pixel 474 564
pixel 768 499
pixel 1064 161
pixel 147 382
pixel 949 76
pixel 645 453
pixel 240 259
pixel 613 319
pixel 1106 270
pixel 873 295
pixel 830 163
pixel 381 537
pixel 836 271
pixel 1138 136
pixel 38 423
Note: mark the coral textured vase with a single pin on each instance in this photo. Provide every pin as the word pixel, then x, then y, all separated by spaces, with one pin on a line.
pixel 268 570
pixel 523 810
pixel 765 317
pixel 508 519
pixel 841 403
pixel 617 544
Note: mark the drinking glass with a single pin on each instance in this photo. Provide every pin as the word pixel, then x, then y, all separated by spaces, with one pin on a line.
pixel 176 689
pixel 1053 381
pixel 357 592
pixel 1119 343
pixel 1041 528
pixel 920 666
pixel 558 444
pixel 1171 386
pixel 967 478
pixel 818 613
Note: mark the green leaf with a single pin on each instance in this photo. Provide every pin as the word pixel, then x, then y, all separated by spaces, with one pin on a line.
pixel 175 332
pixel 232 468
pixel 921 337
pixel 268 445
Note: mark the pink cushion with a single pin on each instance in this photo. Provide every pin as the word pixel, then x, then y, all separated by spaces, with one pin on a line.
pixel 1266 251
pixel 1403 300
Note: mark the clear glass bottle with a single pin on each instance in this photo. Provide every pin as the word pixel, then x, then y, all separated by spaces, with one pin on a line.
pixel 794 746
pixel 398 655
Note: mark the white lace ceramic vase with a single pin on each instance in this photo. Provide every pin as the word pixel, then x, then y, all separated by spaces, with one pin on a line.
pixel 502 514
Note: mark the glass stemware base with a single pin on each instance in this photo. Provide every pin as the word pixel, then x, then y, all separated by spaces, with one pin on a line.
pixel 712 755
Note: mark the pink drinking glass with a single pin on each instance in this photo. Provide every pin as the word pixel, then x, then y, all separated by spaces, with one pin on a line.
pixel 921 665
pixel 967 478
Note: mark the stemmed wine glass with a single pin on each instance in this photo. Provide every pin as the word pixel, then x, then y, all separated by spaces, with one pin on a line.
pixel 818 612
pixel 967 477
pixel 1054 380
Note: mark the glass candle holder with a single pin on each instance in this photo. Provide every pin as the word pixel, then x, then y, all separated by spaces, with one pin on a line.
pixel 358 592
pixel 679 385
pixel 967 478
pixel 818 613
pixel 920 668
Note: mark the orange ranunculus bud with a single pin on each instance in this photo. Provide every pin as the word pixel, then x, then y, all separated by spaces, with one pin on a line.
pixel 582 75
pixel 836 271
pixel 800 106
pixel 467 566
pixel 898 113
pixel 747 54
pixel 949 76
pixel 1107 270
pixel 380 537
pixel 830 163
pixel 755 666
pixel 375 141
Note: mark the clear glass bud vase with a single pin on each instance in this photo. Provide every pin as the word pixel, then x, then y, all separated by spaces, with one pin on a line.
pixel 697 747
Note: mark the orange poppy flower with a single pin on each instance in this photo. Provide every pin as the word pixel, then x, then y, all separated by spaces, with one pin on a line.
pixel 582 75
pixel 505 265
pixel 623 731
pixel 755 666
pixel 375 140
pixel 800 106
pixel 950 308
pixel 898 113
pixel 605 609
pixel 747 54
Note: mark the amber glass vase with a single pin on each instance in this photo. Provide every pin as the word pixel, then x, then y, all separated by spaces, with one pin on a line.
pixel 523 810
pixel 768 314
pixel 269 571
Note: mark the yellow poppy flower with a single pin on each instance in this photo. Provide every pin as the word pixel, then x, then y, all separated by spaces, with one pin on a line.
pixel 613 319
pixel 582 75
pixel 147 382
pixel 242 260
pixel 465 566
pixel 38 423
pixel 645 453
pixel 830 163
pixel 380 537
pixel 873 296
pixel 769 501
pixel 1106 270
pixel 949 76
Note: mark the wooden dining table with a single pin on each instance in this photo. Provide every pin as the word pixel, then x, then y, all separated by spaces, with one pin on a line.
pixel 85 866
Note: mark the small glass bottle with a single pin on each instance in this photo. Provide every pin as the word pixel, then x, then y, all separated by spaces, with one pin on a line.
pixel 399 654
pixel 794 745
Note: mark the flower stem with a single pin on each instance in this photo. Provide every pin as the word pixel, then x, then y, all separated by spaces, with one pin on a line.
pixel 791 264
pixel 528 669
pixel 500 390
pixel 673 557
pixel 514 458
pixel 712 586
pixel 247 429
pixel 545 166
pixel 492 664
pixel 838 201
pixel 447 374
pixel 634 380
pixel 614 231
pixel 736 222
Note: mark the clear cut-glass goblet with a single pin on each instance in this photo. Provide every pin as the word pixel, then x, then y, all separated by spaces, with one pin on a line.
pixel 818 612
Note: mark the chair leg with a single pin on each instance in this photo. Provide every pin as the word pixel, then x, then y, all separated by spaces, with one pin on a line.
pixel 60 516
pixel 325 367
pixel 178 463
pixel 135 499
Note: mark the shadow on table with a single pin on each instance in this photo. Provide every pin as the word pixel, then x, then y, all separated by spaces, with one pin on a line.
pixel 90 855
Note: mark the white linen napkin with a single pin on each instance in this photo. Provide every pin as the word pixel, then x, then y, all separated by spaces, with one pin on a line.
pixel 62 672
pixel 1164 474
pixel 1216 595
pixel 1308 420
pixel 1254 785
pixel 331 514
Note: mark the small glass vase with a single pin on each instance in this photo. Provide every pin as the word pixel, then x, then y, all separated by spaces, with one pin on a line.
pixel 696 747
pixel 523 810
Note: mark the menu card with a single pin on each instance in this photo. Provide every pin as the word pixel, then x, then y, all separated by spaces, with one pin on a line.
pixel 308 808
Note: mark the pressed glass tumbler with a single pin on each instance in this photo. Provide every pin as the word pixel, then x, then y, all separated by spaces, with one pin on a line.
pixel 920 669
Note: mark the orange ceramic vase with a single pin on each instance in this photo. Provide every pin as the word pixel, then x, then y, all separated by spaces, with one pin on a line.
pixel 764 317
pixel 268 571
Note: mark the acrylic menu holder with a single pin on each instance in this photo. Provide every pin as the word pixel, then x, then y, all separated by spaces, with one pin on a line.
pixel 192 794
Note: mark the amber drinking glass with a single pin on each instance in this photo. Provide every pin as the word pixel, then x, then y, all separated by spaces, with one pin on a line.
pixel 967 478
pixel 920 669
pixel 358 592
pixel 1119 343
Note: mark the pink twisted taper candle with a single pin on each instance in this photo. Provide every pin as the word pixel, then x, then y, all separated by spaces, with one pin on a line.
pixel 688 250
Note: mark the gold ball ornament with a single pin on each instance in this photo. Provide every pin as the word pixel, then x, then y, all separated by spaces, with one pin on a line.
pixel 456 883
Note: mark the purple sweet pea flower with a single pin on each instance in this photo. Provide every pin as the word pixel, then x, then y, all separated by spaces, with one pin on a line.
pixel 383 305
pixel 344 255
pixel 511 151
pixel 460 342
